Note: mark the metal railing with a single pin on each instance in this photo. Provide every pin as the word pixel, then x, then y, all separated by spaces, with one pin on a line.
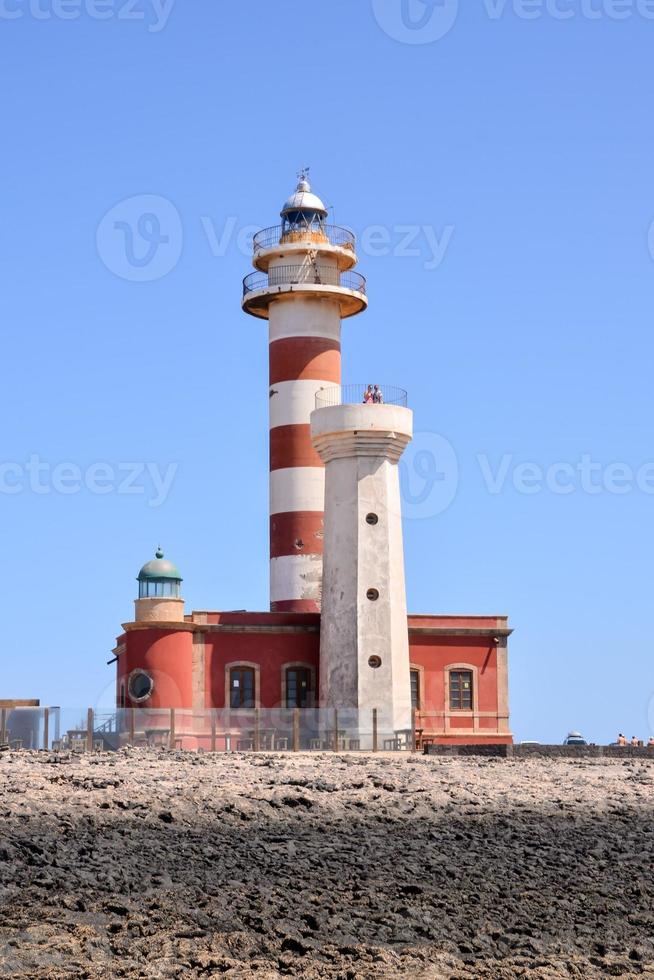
pixel 209 730
pixel 29 727
pixel 303 275
pixel 356 395
pixel 329 234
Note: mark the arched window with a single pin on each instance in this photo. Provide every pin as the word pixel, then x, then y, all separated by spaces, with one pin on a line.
pixel 299 693
pixel 241 687
pixel 461 693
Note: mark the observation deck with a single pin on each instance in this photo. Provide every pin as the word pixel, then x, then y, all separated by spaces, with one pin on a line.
pixel 344 424
pixel 260 289
pixel 281 241
pixel 356 395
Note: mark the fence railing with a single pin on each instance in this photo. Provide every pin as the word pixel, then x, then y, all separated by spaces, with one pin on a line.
pixel 303 275
pixel 360 394
pixel 29 728
pixel 276 235
pixel 216 730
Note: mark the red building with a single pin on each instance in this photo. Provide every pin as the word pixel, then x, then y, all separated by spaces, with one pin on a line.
pixel 205 660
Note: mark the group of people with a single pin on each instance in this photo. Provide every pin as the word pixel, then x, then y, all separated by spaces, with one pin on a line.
pixel 373 395
pixel 621 740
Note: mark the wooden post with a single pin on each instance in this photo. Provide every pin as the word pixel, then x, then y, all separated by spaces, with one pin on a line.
pixel 374 730
pixel 413 730
pixel 335 744
pixel 171 743
pixel 296 729
pixel 46 729
pixel 213 732
pixel 257 732
pixel 89 730
pixel 132 723
pixel 3 726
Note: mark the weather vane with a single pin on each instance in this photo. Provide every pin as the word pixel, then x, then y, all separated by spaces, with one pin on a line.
pixel 303 174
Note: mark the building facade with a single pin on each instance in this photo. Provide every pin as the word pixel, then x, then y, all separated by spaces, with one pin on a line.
pixel 337 635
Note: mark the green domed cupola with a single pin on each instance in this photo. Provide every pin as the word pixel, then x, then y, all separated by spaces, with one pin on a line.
pixel 159 578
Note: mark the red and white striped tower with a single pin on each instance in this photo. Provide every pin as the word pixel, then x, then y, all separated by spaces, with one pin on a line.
pixel 304 287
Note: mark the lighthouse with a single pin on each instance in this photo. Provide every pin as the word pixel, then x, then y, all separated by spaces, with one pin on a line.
pixel 364 643
pixel 337 636
pixel 304 286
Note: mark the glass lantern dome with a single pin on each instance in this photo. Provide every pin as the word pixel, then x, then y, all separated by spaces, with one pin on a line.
pixel 159 579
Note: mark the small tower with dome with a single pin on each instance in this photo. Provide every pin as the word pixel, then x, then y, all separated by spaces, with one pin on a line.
pixel 160 591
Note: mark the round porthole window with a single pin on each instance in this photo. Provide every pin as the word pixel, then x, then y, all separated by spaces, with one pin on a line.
pixel 374 662
pixel 372 594
pixel 372 519
pixel 140 685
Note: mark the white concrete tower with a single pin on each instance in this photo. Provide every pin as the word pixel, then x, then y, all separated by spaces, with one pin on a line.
pixel 304 287
pixel 364 644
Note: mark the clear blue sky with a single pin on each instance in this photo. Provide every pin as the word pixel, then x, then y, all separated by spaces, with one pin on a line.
pixel 523 145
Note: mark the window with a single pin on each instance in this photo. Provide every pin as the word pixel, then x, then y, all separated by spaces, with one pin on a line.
pixel 415 689
pixel 372 594
pixel 140 685
pixel 298 687
pixel 122 696
pixel 159 589
pixel 372 519
pixel 302 220
pixel 461 690
pixel 241 687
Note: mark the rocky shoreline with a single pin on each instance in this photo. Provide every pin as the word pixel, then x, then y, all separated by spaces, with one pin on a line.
pixel 167 864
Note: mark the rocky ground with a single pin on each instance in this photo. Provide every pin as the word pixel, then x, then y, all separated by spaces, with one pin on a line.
pixel 153 864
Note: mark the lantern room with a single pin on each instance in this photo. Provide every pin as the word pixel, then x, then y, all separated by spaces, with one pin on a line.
pixel 303 212
pixel 159 579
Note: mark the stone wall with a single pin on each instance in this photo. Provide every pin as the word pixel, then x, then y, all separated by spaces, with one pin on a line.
pixel 544 751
